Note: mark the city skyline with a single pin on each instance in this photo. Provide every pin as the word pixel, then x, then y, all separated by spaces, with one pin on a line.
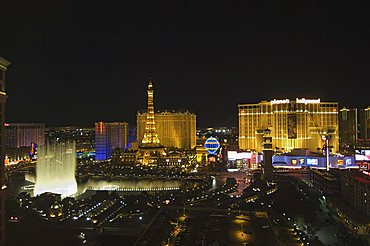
pixel 74 64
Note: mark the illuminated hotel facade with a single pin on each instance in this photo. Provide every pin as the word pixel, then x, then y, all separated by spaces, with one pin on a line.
pixel 108 136
pixel 174 129
pixel 298 123
pixel 23 134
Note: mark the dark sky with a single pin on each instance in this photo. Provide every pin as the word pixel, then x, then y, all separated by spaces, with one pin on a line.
pixel 77 62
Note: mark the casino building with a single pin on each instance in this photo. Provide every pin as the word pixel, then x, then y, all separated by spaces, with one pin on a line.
pixel 174 129
pixel 19 135
pixel 298 123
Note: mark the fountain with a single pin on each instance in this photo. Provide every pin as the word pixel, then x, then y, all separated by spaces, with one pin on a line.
pixel 55 169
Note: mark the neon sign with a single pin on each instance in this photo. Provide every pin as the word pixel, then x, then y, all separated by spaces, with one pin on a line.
pixel 279 101
pixel 212 145
pixel 312 161
pixel 307 101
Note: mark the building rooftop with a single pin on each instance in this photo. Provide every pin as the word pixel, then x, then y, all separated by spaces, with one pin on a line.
pixel 4 62
pixel 360 177
pixel 324 174
pixel 179 111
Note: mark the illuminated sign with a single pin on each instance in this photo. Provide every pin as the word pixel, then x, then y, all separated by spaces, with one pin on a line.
pixel 363 166
pixel 301 161
pixel 362 157
pixel 294 161
pixel 362 151
pixel 297 100
pixel 279 101
pixel 348 161
pixel 340 162
pixel 211 145
pixel 307 101
pixel 234 155
pixel 33 151
pixel 312 161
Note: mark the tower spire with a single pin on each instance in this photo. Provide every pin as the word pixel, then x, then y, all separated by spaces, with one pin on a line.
pixel 150 134
pixel 150 150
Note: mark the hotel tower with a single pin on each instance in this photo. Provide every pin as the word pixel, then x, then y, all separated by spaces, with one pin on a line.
pixel 299 123
pixel 109 136
pixel 175 129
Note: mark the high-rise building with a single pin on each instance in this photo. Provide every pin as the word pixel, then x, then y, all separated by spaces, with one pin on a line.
pixel 355 187
pixel 347 129
pixel 354 129
pixel 23 134
pixel 299 123
pixel 150 149
pixel 3 96
pixel 175 129
pixel 108 136
pixel 84 137
pixel 364 124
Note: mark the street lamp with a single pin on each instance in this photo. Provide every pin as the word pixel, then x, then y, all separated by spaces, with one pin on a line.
pixel 326 138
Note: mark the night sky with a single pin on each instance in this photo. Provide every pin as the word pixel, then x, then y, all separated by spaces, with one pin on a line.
pixel 77 62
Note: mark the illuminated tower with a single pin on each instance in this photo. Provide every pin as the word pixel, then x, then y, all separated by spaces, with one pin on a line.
pixel 150 148
pixel 267 155
pixel 3 67
pixel 150 135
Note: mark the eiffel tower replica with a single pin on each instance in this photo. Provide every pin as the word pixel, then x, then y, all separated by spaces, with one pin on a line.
pixel 150 149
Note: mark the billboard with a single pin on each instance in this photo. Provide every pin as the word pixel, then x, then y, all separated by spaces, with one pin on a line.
pixel 234 155
pixel 212 145
pixel 292 126
pixel 312 161
pixel 362 155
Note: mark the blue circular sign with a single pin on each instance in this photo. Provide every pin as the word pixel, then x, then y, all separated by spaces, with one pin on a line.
pixel 212 145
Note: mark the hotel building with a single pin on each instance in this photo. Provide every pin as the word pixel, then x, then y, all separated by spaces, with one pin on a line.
pixel 299 123
pixel 363 138
pixel 354 129
pixel 348 128
pixel 355 187
pixel 23 134
pixel 108 136
pixel 22 141
pixel 174 129
pixel 3 96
